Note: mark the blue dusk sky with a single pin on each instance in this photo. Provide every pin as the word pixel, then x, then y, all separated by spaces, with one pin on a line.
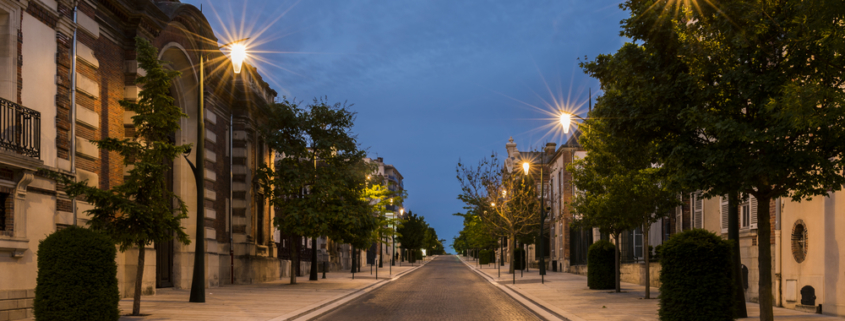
pixel 433 82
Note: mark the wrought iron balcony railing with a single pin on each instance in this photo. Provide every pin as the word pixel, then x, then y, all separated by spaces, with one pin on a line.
pixel 20 129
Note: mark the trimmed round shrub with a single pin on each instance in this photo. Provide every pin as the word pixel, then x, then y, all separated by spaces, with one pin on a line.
pixel 601 266
pixel 485 257
pixel 696 277
pixel 77 277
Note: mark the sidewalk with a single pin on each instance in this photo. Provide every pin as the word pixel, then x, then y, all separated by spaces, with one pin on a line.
pixel 275 300
pixel 568 296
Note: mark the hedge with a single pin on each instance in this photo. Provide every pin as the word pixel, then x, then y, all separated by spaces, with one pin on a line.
pixel 695 277
pixel 484 257
pixel 77 277
pixel 601 265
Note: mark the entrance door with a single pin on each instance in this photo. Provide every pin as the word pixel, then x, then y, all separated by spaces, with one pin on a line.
pixel 164 264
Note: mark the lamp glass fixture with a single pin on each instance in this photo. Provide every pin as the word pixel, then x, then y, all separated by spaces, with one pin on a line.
pixel 525 167
pixel 565 121
pixel 237 52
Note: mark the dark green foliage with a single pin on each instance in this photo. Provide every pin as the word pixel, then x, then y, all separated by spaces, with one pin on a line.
pixel 412 234
pixel 696 277
pixel 77 277
pixel 519 259
pixel 601 266
pixel 484 256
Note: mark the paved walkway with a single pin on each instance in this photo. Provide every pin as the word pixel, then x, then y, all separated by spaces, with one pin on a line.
pixel 276 300
pixel 568 296
pixel 444 289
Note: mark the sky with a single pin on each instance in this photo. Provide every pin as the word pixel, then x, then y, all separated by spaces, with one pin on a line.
pixel 432 81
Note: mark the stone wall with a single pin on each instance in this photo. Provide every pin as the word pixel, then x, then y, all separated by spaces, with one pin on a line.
pixel 629 272
pixel 16 304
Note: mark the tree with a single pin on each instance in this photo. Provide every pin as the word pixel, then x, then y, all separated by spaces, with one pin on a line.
pixel 140 210
pixel 412 234
pixel 738 96
pixel 507 203
pixel 642 193
pixel 380 197
pixel 476 233
pixel 318 181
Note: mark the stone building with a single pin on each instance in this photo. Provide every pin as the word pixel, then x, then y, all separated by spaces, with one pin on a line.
pixel 52 106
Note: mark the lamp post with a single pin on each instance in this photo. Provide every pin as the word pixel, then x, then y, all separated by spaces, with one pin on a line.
pixel 237 53
pixel 525 167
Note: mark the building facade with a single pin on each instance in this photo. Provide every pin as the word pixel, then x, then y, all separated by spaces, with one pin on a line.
pixel 54 103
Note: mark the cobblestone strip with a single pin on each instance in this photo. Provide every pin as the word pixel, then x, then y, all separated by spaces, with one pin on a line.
pixel 541 310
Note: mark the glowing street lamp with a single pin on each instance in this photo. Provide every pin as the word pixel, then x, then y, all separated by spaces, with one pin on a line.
pixel 238 54
pixel 565 121
pixel 525 167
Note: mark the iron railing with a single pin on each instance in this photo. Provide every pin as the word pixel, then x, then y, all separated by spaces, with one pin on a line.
pixel 20 129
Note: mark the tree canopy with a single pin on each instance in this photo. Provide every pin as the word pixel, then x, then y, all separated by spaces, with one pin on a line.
pixel 736 95
pixel 317 182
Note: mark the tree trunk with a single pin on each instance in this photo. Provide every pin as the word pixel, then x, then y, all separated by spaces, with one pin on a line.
pixel 647 227
pixel 294 259
pixel 380 251
pixel 740 310
pixel 510 252
pixel 139 276
pixel 618 275
pixel 764 233
pixel 313 274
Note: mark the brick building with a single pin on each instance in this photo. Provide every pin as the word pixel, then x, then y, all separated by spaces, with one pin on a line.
pixel 47 122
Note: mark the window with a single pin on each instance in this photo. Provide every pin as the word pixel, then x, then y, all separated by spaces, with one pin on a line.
pixel 259 220
pixel 799 241
pixel 5 217
pixel 745 215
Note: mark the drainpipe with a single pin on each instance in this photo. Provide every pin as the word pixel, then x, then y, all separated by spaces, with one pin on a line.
pixel 778 253
pixel 231 199
pixel 73 105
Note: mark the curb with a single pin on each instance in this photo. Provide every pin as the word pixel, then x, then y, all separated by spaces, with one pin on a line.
pixel 532 305
pixel 313 312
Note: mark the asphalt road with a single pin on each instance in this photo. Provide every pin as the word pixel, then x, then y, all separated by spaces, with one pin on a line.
pixel 444 289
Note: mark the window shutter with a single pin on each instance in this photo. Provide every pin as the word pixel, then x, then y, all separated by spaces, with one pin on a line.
pixel 753 208
pixel 724 210
pixel 698 214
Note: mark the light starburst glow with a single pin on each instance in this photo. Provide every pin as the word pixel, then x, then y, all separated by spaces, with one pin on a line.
pixel 237 52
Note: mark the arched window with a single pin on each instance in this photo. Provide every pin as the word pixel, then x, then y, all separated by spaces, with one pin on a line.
pixel 799 241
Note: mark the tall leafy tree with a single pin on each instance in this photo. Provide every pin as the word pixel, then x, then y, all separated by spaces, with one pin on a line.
pixel 318 181
pixel 141 210
pixel 738 95
pixel 506 203
pixel 412 234
pixel 619 191
pixel 380 199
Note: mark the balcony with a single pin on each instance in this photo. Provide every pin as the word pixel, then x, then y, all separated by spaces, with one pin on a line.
pixel 20 129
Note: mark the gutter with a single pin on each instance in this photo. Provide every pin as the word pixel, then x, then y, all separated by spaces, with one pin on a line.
pixel 73 104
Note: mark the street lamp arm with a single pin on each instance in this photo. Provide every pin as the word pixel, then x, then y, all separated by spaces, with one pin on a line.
pixel 193 168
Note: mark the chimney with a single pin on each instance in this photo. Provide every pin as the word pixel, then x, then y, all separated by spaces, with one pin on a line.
pixel 550 148
pixel 380 159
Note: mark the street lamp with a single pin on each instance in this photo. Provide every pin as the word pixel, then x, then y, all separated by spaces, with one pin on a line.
pixel 237 53
pixel 393 255
pixel 525 167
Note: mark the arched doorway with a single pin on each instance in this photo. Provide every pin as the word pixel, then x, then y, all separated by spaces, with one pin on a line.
pixel 173 259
